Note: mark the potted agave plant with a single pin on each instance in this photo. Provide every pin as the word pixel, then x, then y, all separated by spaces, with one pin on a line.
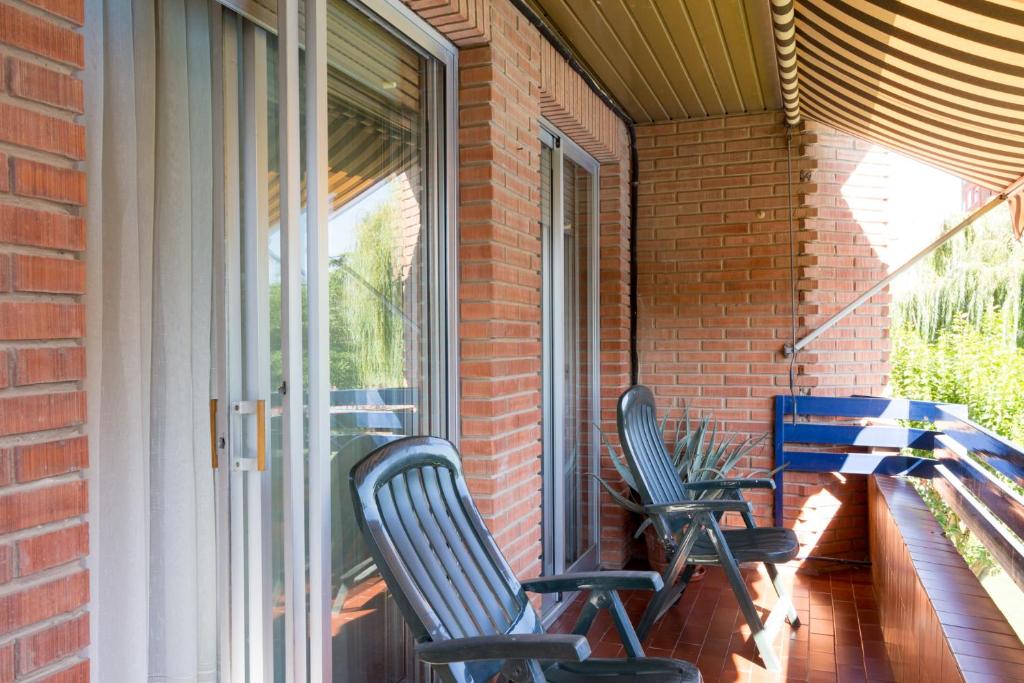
pixel 698 453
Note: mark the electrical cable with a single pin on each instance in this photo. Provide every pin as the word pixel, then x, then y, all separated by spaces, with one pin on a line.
pixel 792 273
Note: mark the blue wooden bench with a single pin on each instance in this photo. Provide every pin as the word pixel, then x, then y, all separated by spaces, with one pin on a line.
pixel 816 423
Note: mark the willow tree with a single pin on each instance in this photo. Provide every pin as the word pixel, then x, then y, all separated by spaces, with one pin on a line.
pixel 970 277
pixel 367 318
pixel 958 332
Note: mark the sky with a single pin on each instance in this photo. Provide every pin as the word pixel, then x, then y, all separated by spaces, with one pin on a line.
pixel 921 199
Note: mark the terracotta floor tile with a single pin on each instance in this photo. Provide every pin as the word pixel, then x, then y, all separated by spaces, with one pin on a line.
pixel 822 643
pixel 821 677
pixel 686 652
pixel 850 655
pixel 761 676
pixel 847 636
pixel 823 661
pixel 710 666
pixel 822 612
pixel 605 649
pixel 871 632
pixel 852 676
pixel 838 628
pixel 652 651
pixel 663 639
pixel 796 667
pixel 879 669
pixel 823 626
pixel 875 650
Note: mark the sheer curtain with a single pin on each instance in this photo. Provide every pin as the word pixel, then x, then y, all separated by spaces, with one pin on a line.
pixel 150 171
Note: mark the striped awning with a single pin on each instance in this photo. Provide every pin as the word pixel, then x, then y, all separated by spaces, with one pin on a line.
pixel 939 80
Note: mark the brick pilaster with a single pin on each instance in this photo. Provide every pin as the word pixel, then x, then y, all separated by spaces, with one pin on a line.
pixel 714 286
pixel 44 586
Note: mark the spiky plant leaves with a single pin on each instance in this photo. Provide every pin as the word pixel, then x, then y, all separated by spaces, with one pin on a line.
pixel 712 470
pixel 620 467
pixel 643 526
pixel 619 498
pixel 766 474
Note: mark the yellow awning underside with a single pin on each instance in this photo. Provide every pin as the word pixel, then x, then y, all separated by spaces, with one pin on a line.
pixel 939 80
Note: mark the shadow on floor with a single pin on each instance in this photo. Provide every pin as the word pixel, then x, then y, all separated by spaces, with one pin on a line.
pixel 839 639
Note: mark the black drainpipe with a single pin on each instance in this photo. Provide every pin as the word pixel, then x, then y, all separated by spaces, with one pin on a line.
pixel 634 185
pixel 567 55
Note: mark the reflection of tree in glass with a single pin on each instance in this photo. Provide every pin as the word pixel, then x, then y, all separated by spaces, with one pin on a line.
pixel 367 338
pixel 367 320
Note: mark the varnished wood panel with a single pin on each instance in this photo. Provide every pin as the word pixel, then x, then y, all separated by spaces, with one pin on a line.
pixel 939 623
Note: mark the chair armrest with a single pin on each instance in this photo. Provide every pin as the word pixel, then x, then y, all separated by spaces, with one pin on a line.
pixel 583 581
pixel 717 505
pixel 730 484
pixel 556 647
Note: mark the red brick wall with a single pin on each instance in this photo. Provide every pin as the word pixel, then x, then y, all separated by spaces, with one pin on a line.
pixel 841 256
pixel 509 78
pixel 44 587
pixel 713 274
pixel 714 293
pixel 499 293
pixel 616 523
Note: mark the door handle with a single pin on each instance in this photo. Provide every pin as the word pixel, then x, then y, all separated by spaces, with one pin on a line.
pixel 214 456
pixel 259 409
pixel 261 435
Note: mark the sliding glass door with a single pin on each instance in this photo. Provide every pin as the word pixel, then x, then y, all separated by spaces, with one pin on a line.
pixel 569 187
pixel 381 219
pixel 378 344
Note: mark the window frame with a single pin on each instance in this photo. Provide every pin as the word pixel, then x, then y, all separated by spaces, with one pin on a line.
pixel 553 344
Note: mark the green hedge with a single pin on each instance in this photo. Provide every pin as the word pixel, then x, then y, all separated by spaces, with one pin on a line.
pixel 968 364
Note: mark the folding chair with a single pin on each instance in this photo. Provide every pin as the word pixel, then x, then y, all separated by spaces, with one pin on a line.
pixel 689 526
pixel 467 611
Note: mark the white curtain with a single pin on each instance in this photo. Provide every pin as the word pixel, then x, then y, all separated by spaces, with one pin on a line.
pixel 150 173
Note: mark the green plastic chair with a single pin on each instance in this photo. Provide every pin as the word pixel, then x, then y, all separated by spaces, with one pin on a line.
pixel 689 526
pixel 467 611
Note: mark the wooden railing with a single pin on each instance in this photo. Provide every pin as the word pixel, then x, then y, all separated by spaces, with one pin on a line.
pixel 979 474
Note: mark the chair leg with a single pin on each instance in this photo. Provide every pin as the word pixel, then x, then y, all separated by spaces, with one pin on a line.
pixel 780 589
pixel 611 601
pixel 587 615
pixel 762 635
pixel 669 592
pixel 630 640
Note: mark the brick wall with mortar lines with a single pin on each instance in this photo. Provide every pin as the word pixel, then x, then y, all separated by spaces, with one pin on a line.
pixel 44 587
pixel 842 254
pixel 714 287
pixel 508 78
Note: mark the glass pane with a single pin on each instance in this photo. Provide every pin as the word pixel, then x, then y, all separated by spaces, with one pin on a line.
pixel 276 408
pixel 378 300
pixel 577 429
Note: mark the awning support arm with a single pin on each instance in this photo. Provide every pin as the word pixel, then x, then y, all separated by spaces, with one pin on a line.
pixel 790 349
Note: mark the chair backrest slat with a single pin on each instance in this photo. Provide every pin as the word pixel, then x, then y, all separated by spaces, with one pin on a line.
pixel 430 543
pixel 445 580
pixel 494 582
pixel 644 447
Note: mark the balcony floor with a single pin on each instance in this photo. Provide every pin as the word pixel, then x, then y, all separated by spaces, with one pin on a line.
pixel 839 638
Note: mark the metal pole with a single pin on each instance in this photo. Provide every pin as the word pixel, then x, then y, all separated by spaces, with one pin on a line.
pixel 790 349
